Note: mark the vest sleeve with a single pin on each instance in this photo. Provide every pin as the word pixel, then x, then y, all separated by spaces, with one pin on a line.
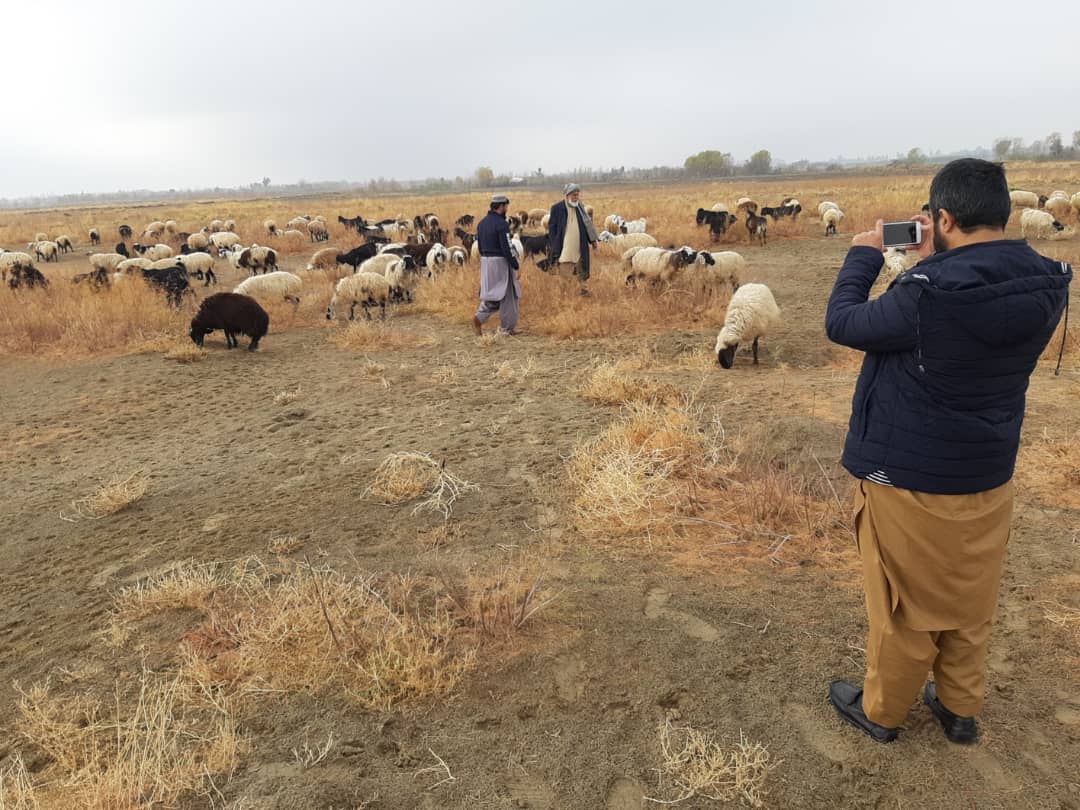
pixel 886 324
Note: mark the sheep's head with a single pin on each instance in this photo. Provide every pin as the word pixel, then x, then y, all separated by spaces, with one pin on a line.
pixel 1042 200
pixel 1058 226
pixel 606 236
pixel 726 344
pixel 199 332
pixel 705 258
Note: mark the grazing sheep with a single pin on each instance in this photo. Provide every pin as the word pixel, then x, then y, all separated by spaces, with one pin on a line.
pixel 256 259
pixel 271 226
pixel 727 270
pixel 234 314
pixel 216 226
pixel 96 279
pixel 751 312
pixel 436 259
pixel 366 289
pixel 831 217
pixel 223 240
pixel 107 261
pixel 534 216
pixel 659 265
pixel 155 252
pixel 26 276
pixel 620 243
pixel 1057 204
pixel 357 256
pixel 125 232
pixel 132 265
pixel 278 284
pixel 121 248
pixel 633 226
pixel 12 259
pixel 200 265
pixel 317 231
pixel 229 225
pixel 756 226
pixel 164 264
pixel 458 256
pixel 465 220
pixel 612 223
pixel 379 264
pixel 324 259
pixel 170 226
pixel 95 236
pixel 154 230
pixel 1039 224
pixel 64 244
pixel 825 206
pixel 746 204
pixel 173 281
pixel 298 222
pixel 467 239
pixel 197 241
pixel 1026 199
pixel 44 250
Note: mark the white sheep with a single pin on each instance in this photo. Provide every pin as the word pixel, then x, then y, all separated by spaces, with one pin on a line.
pixel 216 225
pixel 130 265
pixel 155 252
pixel 294 237
pixel 536 215
pixel 198 264
pixel 620 243
pixel 1075 202
pixel 41 237
pixel 198 241
pixel 1039 224
pixel 154 230
pixel 223 240
pixel 318 231
pixel 45 250
pixel 659 265
pixel 396 230
pixel 746 204
pixel 1025 199
pixel 12 259
pixel 436 259
pixel 278 284
pixel 366 289
pixel 727 270
pixel 325 259
pixel 95 236
pixel 320 218
pixel 831 217
pixel 378 263
pixel 271 226
pixel 106 261
pixel 634 226
pixel 63 242
pixel 720 208
pixel 387 247
pixel 162 264
pixel 825 206
pixel 751 312
pixel 229 225
pixel 1057 204
pixel 170 226
pixel 458 257
pixel 297 222
pixel 545 221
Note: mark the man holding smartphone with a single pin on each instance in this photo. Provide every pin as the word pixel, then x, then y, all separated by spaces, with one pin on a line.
pixel 932 440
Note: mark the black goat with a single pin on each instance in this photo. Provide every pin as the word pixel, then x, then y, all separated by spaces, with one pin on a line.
pixel 97 279
pixel 172 280
pixel 535 245
pixel 121 248
pixel 125 232
pixel 466 238
pixel 358 255
pixel 756 226
pixel 352 223
pixel 26 275
pixel 234 314
pixel 719 222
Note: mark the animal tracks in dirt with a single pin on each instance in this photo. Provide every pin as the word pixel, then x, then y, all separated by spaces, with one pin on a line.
pixel 656 601
pixel 569 683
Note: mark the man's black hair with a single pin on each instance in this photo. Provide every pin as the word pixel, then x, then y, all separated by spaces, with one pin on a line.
pixel 496 206
pixel 974 191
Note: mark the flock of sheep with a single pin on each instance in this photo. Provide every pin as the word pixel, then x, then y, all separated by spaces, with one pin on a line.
pixel 396 253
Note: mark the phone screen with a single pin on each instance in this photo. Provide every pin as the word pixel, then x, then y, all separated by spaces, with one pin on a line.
pixel 901 233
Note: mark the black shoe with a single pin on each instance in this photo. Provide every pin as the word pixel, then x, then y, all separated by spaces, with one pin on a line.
pixel 848 702
pixel 960 730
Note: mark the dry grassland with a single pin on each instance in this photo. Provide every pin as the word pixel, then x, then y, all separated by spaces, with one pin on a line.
pixel 386 564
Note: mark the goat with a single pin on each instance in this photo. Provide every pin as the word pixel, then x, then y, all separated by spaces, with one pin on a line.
pixel 756 226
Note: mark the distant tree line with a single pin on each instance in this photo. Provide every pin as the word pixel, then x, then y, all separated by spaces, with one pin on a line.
pixel 1052 147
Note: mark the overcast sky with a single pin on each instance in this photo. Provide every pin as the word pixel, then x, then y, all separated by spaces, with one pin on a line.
pixel 122 95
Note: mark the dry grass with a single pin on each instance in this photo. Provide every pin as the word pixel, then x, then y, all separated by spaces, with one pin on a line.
pixel 608 385
pixel 405 476
pixel 698 766
pixel 186 352
pixel 287 396
pixel 369 336
pixel 499 606
pixel 142 750
pixel 112 497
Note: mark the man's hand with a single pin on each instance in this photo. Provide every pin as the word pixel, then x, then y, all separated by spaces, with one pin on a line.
pixel 926 246
pixel 870 238
pixel 595 247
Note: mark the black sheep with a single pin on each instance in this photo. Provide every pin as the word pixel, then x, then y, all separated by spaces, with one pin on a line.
pixel 121 248
pixel 173 280
pixel 26 275
pixel 97 279
pixel 125 232
pixel 234 314
pixel 358 255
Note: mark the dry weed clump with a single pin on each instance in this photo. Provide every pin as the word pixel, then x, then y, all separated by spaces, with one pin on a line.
pixel 287 396
pixel 404 476
pixel 640 477
pixel 368 336
pixel 499 606
pixel 186 352
pixel 311 629
pixel 141 750
pixel 698 766
pixel 111 497
pixel 608 385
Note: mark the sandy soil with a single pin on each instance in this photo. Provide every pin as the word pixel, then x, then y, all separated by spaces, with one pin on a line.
pixel 566 716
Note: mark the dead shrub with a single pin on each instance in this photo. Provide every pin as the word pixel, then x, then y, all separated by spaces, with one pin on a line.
pixel 404 476
pixel 608 385
pixel 368 336
pixel 698 766
pixel 111 497
pixel 499 606
pixel 139 750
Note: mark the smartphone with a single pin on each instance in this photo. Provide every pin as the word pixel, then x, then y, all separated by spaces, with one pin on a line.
pixel 899 234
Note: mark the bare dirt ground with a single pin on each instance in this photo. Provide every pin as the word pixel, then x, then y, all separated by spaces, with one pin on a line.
pixel 737 639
